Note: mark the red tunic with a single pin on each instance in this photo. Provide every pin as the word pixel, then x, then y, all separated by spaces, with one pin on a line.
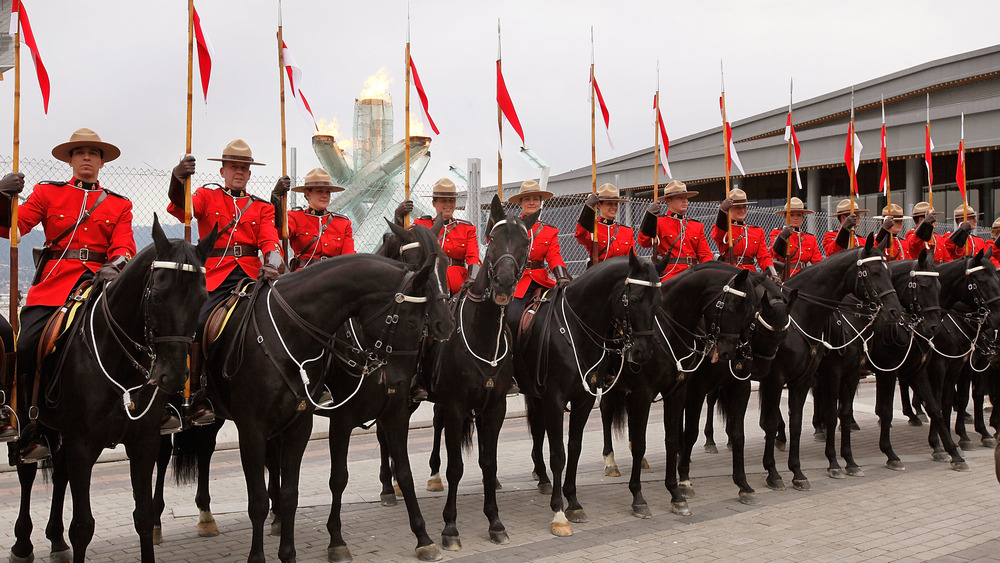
pixel 459 242
pixel 896 251
pixel 303 226
pixel 622 239
pixel 215 206
pixel 57 207
pixel 803 249
pixel 955 252
pixel 830 246
pixel 681 239
pixel 914 244
pixel 544 247
pixel 749 247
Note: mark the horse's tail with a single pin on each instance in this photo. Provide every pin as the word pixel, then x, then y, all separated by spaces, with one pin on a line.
pixel 616 409
pixel 185 464
pixel 721 400
pixel 467 426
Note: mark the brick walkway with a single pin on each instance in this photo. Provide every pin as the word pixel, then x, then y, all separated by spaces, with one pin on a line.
pixel 927 512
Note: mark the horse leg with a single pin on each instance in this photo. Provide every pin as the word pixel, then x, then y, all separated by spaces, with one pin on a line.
pixel 552 411
pixel 253 448
pixel 937 410
pixel 796 401
pixel 770 403
pixel 825 390
pixel 162 462
pixel 142 454
pixel 848 390
pixel 23 551
pixel 81 526
pixel 385 472
pixel 737 397
pixel 457 424
pixel 272 462
pixel 885 388
pixel 488 426
pixel 396 425
pixel 710 400
pixel 293 441
pixel 905 401
pixel 536 425
pixel 692 414
pixel 54 529
pixel 638 419
pixel 978 402
pixel 205 440
pixel 577 421
pixel 960 404
pixel 434 483
pixel 339 440
pixel 610 466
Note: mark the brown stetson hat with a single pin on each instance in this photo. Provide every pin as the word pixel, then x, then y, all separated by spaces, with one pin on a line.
pixel 676 188
pixel 894 211
pixel 739 197
pixel 608 193
pixel 318 178
pixel 529 187
pixel 795 205
pixel 844 208
pixel 922 208
pixel 237 151
pixel 962 209
pixel 444 188
pixel 85 138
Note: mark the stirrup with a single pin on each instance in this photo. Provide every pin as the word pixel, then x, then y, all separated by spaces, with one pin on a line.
pixel 8 432
pixel 205 415
pixel 172 423
pixel 36 451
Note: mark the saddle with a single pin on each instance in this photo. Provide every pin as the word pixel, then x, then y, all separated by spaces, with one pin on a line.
pixel 61 320
pixel 219 316
pixel 528 315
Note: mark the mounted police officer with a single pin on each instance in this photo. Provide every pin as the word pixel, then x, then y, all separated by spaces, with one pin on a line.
pixel 681 240
pixel 88 236
pixel 597 218
pixel 961 242
pixel 892 225
pixel 835 241
pixel 458 238
pixel 246 228
pixel 793 249
pixel 749 249
pixel 923 236
pixel 314 233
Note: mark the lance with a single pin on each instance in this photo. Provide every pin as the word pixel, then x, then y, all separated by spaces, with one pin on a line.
pixel 656 146
pixel 930 176
pixel 594 251
pixel 850 169
pixel 406 141
pixel 725 149
pixel 788 198
pixel 14 233
pixel 965 197
pixel 187 140
pixel 888 195
pixel 284 156
pixel 499 124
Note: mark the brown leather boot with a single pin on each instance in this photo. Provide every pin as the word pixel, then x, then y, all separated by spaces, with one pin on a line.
pixel 7 431
pixel 169 422
pixel 35 449
pixel 200 413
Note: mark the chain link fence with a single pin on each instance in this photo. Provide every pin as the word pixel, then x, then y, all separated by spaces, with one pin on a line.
pixel 147 189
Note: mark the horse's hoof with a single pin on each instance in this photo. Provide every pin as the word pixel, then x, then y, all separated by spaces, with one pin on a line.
pixel 339 554
pixel 855 472
pixel 819 436
pixel 775 484
pixel 387 499
pixel 641 511
pixel 451 543
pixel 208 529
pixel 686 489
pixel 500 537
pixel 966 445
pixel 711 449
pixel 499 486
pixel 895 465
pixel 960 466
pixel 612 471
pixel 157 535
pixel 855 427
pixel 545 488
pixel 749 499
pixel 396 489
pixel 801 485
pixel 64 556
pixel 434 484
pixel 989 442
pixel 680 508
pixel 915 421
pixel 29 558
pixel 645 464
pixel 275 528
pixel 428 553
pixel 576 515
pixel 941 456
pixel 834 473
pixel 780 446
pixel 534 476
pixel 560 526
pixel 923 417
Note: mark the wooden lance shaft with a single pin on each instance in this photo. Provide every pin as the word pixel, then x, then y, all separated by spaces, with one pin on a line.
pixel 406 188
pixel 594 250
pixel 284 156
pixel 190 102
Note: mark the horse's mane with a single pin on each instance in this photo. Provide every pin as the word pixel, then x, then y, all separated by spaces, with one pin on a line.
pixel 804 277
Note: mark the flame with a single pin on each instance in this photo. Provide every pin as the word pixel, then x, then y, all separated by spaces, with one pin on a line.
pixel 416 127
pixel 376 86
pixel 332 128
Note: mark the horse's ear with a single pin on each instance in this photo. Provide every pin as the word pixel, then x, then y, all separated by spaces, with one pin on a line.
pixel 922 259
pixel 661 266
pixel 400 232
pixel 988 253
pixel 424 273
pixel 438 225
pixel 530 220
pixel 160 239
pixel 206 244
pixel 741 277
pixel 792 298
pixel 979 258
pixel 869 242
pixel 496 209
pixel 884 245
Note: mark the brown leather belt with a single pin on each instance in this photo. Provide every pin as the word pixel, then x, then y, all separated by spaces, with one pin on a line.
pixel 534 265
pixel 799 265
pixel 675 261
pixel 741 261
pixel 237 250
pixel 457 262
pixel 81 254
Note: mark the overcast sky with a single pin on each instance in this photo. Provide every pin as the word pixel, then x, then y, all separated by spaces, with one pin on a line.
pixel 120 67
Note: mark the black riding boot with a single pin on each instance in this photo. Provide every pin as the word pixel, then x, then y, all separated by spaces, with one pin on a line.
pixel 7 431
pixel 200 412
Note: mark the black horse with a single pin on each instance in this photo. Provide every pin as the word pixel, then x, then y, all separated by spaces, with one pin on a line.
pixel 862 272
pixel 472 372
pixel 608 309
pixel 259 372
pixel 107 384
pixel 717 301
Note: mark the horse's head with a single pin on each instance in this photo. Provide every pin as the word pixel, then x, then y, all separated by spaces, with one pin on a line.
pixel 919 291
pixel 431 282
pixel 402 245
pixel 637 306
pixel 730 312
pixel 972 282
pixel 506 255
pixel 174 294
pixel 869 280
pixel 770 323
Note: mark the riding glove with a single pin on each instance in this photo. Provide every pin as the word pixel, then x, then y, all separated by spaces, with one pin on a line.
pixel 402 210
pixel 11 184
pixel 562 276
pixel 109 270
pixel 273 265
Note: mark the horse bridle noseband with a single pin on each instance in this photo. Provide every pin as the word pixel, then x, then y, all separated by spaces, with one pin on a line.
pixel 913 307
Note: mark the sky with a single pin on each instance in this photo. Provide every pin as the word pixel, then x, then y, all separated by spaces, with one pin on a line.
pixel 119 67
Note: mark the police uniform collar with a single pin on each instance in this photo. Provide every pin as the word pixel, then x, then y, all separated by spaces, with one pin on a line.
pixel 739 223
pixel 679 216
pixel 234 193
pixel 85 185
pixel 606 221
pixel 317 212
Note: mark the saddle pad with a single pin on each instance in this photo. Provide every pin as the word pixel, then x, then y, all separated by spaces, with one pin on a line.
pixel 219 316
pixel 61 320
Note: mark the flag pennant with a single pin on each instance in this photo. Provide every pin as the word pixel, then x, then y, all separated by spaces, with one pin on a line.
pixel 295 82
pixel 19 18
pixel 205 53
pixel 853 160
pixel 960 170
pixel 506 105
pixel 664 142
pixel 928 149
pixel 423 96
pixel 604 111
pixel 790 134
pixel 731 155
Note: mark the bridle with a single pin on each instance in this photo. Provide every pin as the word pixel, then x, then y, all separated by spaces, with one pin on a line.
pixel 914 310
